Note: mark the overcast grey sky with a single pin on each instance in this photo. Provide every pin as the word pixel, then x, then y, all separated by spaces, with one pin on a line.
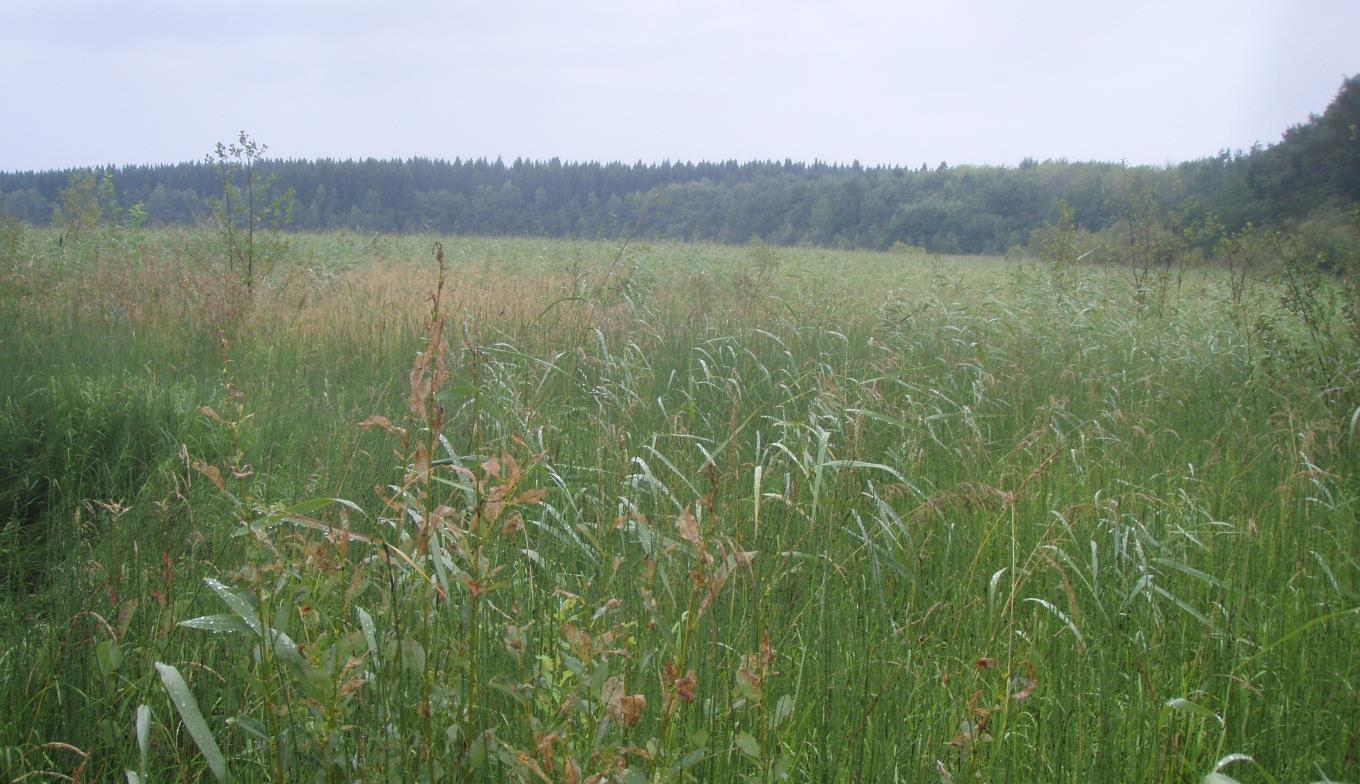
pixel 90 82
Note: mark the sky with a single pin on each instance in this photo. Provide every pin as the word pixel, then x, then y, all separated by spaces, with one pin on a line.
pixel 90 82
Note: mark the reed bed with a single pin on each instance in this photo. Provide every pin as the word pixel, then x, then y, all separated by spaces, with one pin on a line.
pixel 582 512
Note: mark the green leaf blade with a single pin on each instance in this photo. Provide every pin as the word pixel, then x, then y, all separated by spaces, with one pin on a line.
pixel 187 706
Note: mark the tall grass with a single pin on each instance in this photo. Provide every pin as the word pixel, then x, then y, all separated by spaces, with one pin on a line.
pixel 662 514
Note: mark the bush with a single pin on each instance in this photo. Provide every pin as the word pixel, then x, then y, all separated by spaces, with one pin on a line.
pixel 1321 290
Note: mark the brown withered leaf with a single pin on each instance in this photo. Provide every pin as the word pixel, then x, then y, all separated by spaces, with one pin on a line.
pixel 383 423
pixel 543 744
pixel 208 412
pixel 715 583
pixel 395 504
pixel 534 496
pixel 630 516
pixel 689 529
pixel 351 686
pixel 968 734
pixel 421 386
pixel 492 467
pixel 570 773
pixel 473 586
pixel 1025 684
pixel 514 638
pixel 491 508
pixel 513 524
pixel 377 420
pixel 420 464
pixel 513 472
pixel 610 694
pixel 631 707
pixel 445 516
pixel 626 709
pixel 684 687
pixel 976 730
pixel 676 687
pixel 210 471
pixel 609 606
pixel 580 642
pixel 531 765
pixel 437 418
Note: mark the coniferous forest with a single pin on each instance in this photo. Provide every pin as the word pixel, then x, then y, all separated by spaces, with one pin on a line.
pixel 939 207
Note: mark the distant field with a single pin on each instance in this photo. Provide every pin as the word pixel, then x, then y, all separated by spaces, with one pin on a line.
pixel 635 512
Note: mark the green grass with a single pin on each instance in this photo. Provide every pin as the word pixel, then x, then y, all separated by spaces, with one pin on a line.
pixel 675 512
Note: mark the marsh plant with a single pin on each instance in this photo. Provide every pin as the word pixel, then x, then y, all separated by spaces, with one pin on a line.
pixel 12 247
pixel 879 518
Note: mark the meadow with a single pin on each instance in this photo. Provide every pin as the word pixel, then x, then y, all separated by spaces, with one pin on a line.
pixel 594 512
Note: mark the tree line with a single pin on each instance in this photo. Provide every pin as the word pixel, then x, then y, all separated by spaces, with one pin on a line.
pixel 948 209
